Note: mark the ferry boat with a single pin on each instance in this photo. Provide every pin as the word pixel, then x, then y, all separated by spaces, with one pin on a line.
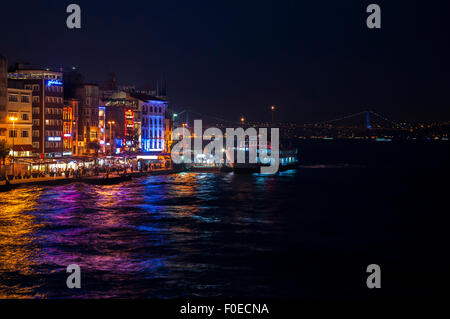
pixel 288 160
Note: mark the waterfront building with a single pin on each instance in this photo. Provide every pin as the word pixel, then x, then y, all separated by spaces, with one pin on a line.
pixel 88 117
pixel 70 127
pixel 47 108
pixel 16 124
pixel 123 121
pixel 3 86
pixel 152 110
pixel 168 130
pixel 102 128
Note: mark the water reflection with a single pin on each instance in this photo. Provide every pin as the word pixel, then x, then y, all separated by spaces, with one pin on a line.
pixel 163 236
pixel 17 246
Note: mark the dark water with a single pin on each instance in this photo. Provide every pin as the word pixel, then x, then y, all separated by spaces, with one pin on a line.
pixel 306 233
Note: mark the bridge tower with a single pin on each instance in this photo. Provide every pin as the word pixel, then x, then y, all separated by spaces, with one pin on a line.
pixel 368 119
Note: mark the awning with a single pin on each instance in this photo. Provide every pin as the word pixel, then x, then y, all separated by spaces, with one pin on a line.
pixel 23 148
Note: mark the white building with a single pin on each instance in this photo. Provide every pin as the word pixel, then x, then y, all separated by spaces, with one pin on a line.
pixel 152 110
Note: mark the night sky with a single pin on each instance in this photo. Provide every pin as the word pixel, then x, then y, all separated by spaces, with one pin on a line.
pixel 315 60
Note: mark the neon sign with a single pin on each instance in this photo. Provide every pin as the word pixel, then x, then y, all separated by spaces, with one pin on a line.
pixel 54 138
pixel 54 82
pixel 157 102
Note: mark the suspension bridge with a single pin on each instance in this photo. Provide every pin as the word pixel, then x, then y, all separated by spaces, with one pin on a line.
pixel 362 120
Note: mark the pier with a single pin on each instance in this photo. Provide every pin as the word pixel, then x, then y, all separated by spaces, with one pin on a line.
pixel 60 180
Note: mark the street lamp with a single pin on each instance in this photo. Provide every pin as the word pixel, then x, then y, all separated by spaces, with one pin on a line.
pixel 110 130
pixel 272 108
pixel 242 120
pixel 13 120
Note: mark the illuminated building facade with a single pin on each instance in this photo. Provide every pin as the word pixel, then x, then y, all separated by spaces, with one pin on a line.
pixel 168 129
pixel 47 109
pixel 123 110
pixel 114 129
pixel 70 127
pixel 88 117
pixel 16 125
pixel 152 122
pixel 102 128
pixel 3 87
pixel 129 126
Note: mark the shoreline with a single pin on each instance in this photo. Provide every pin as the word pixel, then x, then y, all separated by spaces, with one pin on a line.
pixel 61 180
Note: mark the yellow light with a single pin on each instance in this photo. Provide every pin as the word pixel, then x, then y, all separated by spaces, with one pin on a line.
pixel 12 118
pixel 272 107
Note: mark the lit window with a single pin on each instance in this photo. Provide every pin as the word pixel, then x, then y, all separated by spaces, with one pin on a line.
pixel 13 98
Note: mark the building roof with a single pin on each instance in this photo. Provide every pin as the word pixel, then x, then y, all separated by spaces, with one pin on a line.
pixel 34 74
pixel 146 97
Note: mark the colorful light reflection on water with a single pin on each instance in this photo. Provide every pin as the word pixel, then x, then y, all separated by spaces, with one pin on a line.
pixel 163 236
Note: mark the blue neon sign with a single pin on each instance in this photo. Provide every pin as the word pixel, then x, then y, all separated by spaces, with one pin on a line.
pixel 157 102
pixel 54 82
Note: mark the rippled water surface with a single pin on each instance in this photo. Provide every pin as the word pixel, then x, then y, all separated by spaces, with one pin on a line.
pixel 304 232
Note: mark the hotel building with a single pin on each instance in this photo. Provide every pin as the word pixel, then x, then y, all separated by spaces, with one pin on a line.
pixel 47 109
pixel 152 132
